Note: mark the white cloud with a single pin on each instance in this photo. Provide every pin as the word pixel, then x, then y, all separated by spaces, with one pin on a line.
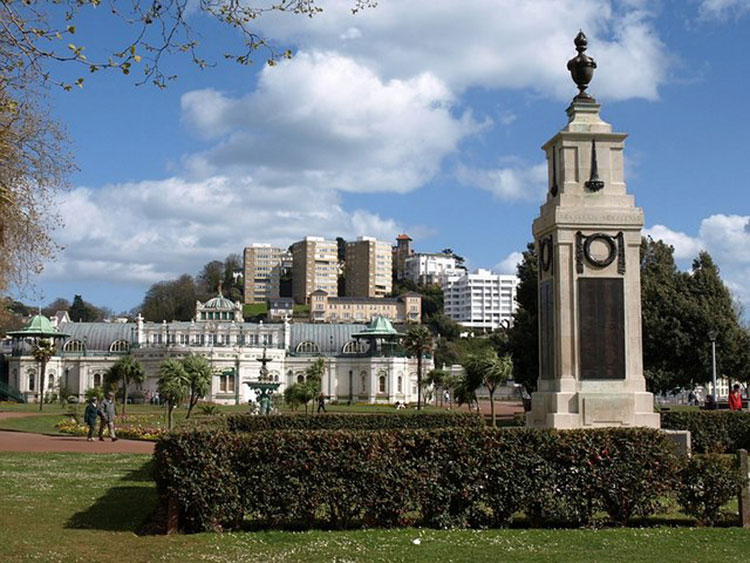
pixel 723 9
pixel 685 246
pixel 492 43
pixel 325 121
pixel 509 264
pixel 514 182
pixel 726 238
pixel 149 231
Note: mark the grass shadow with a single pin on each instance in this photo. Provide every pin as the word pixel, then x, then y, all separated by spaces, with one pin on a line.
pixel 142 474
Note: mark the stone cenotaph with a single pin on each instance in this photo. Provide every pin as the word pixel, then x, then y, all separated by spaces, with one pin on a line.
pixel 587 237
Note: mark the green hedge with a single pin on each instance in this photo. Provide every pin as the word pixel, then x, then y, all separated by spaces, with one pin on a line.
pixel 712 431
pixel 443 478
pixel 333 421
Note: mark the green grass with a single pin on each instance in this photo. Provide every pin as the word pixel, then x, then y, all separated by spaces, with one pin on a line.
pixel 80 507
pixel 254 309
pixel 44 424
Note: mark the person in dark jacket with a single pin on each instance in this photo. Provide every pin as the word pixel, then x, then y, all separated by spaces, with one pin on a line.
pixel 89 417
pixel 107 413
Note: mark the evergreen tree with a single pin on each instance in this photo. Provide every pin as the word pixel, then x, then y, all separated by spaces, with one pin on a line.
pixel 523 336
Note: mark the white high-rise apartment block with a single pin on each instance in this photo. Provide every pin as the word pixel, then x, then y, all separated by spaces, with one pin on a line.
pixel 426 268
pixel 480 299
pixel 369 268
pixel 262 272
pixel 315 266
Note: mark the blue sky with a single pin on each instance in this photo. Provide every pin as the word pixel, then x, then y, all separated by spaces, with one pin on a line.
pixel 424 117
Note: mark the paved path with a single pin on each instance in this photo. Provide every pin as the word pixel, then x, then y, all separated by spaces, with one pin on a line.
pixel 27 442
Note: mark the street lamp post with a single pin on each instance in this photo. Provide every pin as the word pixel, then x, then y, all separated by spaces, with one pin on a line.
pixel 712 335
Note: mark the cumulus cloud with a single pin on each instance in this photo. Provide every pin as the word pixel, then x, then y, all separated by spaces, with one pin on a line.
pixel 492 43
pixel 726 238
pixel 685 246
pixel 509 264
pixel 515 182
pixel 323 120
pixel 148 231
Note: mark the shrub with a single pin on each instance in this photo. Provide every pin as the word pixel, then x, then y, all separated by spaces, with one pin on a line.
pixel 712 431
pixel 374 421
pixel 706 483
pixel 442 477
pixel 209 410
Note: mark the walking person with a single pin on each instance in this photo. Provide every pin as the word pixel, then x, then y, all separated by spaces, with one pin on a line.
pixel 735 399
pixel 321 402
pixel 89 417
pixel 107 414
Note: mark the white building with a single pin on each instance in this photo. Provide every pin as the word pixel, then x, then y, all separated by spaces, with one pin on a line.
pixel 480 299
pixel 357 368
pixel 426 268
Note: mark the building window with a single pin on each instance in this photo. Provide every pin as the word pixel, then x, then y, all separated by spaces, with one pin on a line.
pixel 363 381
pixel 300 378
pixel 73 346
pixel 381 384
pixel 355 347
pixel 119 346
pixel 399 384
pixel 97 380
pixel 32 376
pixel 307 347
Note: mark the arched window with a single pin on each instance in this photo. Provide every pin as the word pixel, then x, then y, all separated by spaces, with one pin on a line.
pixel 32 376
pixel 400 384
pixel 73 346
pixel 119 346
pixel 355 347
pixel 51 379
pixel 300 378
pixel 97 380
pixel 307 347
pixel 363 381
pixel 381 384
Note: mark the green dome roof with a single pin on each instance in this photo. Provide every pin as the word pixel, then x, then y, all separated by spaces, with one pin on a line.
pixel 380 327
pixel 220 303
pixel 40 326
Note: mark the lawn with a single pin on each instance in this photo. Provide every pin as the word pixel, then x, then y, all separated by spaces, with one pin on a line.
pixel 76 507
pixel 44 422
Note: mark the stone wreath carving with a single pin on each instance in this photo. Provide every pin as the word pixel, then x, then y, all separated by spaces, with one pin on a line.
pixel 615 250
pixel 545 253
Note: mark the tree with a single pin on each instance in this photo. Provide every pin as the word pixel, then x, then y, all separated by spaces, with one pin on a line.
pixel 43 351
pixel 436 378
pixel 232 284
pixel 523 336
pixel 418 342
pixel 125 370
pixel 170 300
pixel 209 278
pixel 172 386
pixel 81 312
pixel 58 304
pixel 35 167
pixel 35 36
pixel 198 372
pixel 489 370
pixel 299 394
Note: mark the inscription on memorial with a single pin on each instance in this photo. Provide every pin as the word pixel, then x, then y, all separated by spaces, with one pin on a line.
pixel 601 324
pixel 546 331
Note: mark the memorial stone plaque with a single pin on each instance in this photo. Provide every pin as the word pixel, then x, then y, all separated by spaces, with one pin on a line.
pixel 547 330
pixel 602 328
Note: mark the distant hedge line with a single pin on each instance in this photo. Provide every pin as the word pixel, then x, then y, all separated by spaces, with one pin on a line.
pixel 449 477
pixel 369 421
pixel 712 431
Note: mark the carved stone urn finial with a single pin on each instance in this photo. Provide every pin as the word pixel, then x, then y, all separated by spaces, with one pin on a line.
pixel 581 69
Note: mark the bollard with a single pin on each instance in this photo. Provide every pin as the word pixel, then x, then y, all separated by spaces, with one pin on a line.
pixel 744 494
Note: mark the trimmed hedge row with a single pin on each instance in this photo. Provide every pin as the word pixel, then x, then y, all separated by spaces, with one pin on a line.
pixel 442 478
pixel 712 431
pixel 370 421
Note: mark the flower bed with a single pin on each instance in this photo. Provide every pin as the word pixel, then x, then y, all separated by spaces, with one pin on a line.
pixel 133 427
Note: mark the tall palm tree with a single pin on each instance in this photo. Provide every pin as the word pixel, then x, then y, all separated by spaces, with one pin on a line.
pixel 126 370
pixel 173 386
pixel 43 351
pixel 198 372
pixel 491 371
pixel 418 342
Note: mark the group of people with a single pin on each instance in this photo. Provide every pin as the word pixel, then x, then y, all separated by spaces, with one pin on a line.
pixel 105 413
pixel 734 400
